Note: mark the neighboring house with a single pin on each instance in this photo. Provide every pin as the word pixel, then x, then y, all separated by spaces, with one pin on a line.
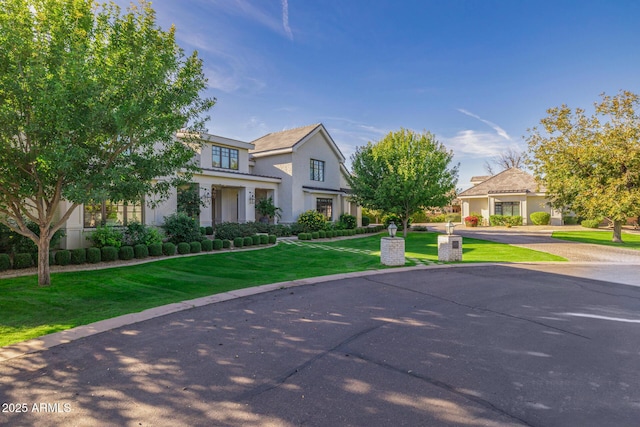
pixel 512 192
pixel 300 169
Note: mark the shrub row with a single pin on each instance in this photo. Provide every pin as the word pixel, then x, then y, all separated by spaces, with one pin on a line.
pixel 505 220
pixel 322 234
pixel 231 230
pixel 94 255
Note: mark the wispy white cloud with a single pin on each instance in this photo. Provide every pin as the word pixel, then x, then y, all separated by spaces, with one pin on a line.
pixel 478 144
pixel 495 127
pixel 285 19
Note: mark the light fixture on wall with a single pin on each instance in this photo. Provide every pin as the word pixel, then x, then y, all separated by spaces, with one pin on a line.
pixel 252 198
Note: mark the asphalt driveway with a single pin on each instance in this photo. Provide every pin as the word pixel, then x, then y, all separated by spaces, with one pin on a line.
pixel 453 346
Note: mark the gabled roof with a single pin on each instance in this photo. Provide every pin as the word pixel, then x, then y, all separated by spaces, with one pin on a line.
pixel 287 141
pixel 509 181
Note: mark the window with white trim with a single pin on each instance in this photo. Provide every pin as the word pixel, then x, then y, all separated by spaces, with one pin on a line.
pixel 325 207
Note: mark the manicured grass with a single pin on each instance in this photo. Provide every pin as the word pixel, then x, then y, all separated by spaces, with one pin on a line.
pixel 424 246
pixel 79 298
pixel 629 240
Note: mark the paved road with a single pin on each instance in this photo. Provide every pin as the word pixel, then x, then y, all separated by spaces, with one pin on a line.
pixel 462 346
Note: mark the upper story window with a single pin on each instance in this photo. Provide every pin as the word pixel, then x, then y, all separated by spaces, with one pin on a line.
pixel 223 157
pixel 317 170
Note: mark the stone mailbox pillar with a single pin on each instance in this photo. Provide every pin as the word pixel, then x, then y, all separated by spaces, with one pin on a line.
pixel 392 251
pixel 449 248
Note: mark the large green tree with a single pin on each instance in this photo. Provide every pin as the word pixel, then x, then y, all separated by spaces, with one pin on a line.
pixel 90 100
pixel 403 173
pixel 591 163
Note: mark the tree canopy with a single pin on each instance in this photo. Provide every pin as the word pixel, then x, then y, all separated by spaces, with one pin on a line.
pixel 591 163
pixel 90 100
pixel 403 173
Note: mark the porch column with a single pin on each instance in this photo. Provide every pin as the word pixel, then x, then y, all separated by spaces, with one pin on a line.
pixel 205 211
pixel 247 204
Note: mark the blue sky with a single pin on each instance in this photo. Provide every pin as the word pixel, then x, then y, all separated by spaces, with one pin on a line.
pixel 476 73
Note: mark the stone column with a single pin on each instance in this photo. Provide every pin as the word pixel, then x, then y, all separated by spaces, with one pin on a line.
pixel 392 251
pixel 449 248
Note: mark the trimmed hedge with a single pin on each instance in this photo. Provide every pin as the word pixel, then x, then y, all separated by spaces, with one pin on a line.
pixel 248 241
pixel 109 253
pixel 184 248
pixel 78 256
pixel 169 249
pixel 208 230
pixel 195 247
pixel 238 242
pixel 94 255
pixel 505 220
pixel 255 239
pixel 207 245
pixel 226 243
pixel 591 223
pixel 5 262
pixel 22 261
pixel 155 249
pixel 540 218
pixel 217 244
pixel 315 234
pixel 273 238
pixel 365 220
pixel 264 239
pixel 140 251
pixel 126 253
pixel 63 257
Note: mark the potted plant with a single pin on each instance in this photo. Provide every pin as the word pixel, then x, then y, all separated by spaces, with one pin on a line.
pixel 267 210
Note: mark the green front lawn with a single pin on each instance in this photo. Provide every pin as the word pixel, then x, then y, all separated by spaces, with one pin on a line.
pixel 629 240
pixel 79 298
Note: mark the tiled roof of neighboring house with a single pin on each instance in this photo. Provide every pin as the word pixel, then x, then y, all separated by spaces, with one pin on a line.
pixel 478 179
pixel 509 181
pixel 283 139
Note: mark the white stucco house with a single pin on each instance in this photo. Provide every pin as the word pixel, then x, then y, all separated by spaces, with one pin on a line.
pixel 512 192
pixel 300 169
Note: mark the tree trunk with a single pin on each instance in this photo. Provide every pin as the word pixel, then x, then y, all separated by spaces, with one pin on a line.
pixel 405 227
pixel 44 275
pixel 617 231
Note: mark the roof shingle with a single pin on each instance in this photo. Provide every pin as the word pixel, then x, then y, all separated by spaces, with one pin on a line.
pixel 283 139
pixel 509 181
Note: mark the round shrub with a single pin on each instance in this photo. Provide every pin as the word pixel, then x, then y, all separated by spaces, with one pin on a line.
pixel 311 220
pixel 273 238
pixel 315 235
pixel 78 256
pixel 180 227
pixel 63 257
pixel 207 245
pixel 217 244
pixel 109 253
pixel 226 243
pixel 238 242
pixel 140 251
pixel 208 230
pixel 248 241
pixel 106 236
pixel 22 261
pixel 137 233
pixel 255 239
pixel 540 218
pixel 302 236
pixel 591 223
pixel 155 249
pixel 126 253
pixel 169 249
pixel 184 248
pixel 322 234
pixel 264 239
pixel 365 221
pixel 348 221
pixel 5 262
pixel 94 255
pixel 195 247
